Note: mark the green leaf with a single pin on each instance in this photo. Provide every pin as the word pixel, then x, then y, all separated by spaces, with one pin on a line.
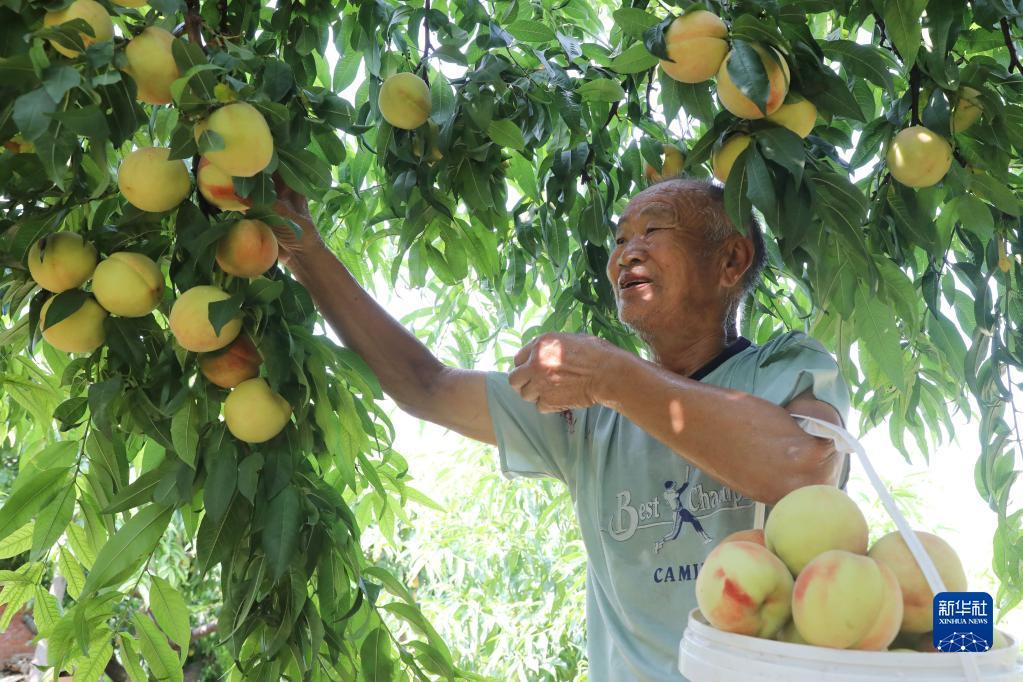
pixel 634 22
pixel 130 659
pixel 140 491
pixel 45 611
pixel 505 133
pixel 303 171
pixel 29 498
pixel 221 483
pixel 163 662
pixel 635 59
pixel 997 193
pixel 32 113
pixel 875 326
pixel 531 31
pixel 281 530
pixel 52 521
pixel 761 186
pixel 442 99
pixel 601 90
pixel 903 24
pixel 185 432
pixel 17 542
pixel 866 61
pixel 747 70
pixel 171 612
pixel 375 656
pixel 216 539
pixel 92 666
pixel 132 542
pixel 737 203
pixel 72 572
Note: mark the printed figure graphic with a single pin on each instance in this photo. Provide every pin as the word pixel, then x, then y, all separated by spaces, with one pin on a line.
pixel 673 495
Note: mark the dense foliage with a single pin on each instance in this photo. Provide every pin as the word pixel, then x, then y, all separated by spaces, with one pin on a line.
pixel 543 117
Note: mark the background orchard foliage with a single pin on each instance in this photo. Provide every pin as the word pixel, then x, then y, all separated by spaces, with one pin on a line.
pixel 545 115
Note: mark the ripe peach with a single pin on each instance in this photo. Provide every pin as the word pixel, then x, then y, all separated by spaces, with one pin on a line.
pixel 61 261
pixel 190 322
pixel 94 14
pixel 248 143
pixel 80 332
pixel 674 159
pixel 151 64
pixel 254 413
pixel 151 181
pixel 696 43
pixel 724 158
pixel 218 188
pixel 745 589
pixel 777 75
pixel 847 601
pixel 248 249
pixel 128 284
pixel 799 117
pixel 919 157
pixel 404 101
pixel 918 600
pixel 234 364
pixel 811 520
pixel 790 634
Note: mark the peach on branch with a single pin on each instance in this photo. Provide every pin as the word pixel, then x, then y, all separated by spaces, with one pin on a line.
pixel 128 284
pixel 248 249
pixel 968 109
pixel 814 519
pixel 404 101
pixel 151 181
pixel 218 188
pixel 93 13
pixel 745 589
pixel 696 44
pixel 724 158
pixel 799 117
pixel 232 365
pixel 919 157
pixel 190 320
pixel 151 65
pixel 61 261
pixel 254 413
pixel 673 160
pixel 248 143
pixel 740 105
pixel 918 600
pixel 80 332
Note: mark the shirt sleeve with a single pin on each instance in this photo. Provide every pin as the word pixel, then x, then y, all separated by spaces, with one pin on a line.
pixel 795 362
pixel 530 443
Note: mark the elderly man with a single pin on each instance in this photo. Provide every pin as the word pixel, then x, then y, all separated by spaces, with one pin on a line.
pixel 663 457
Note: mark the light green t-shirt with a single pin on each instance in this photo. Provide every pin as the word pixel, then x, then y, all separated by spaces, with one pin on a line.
pixel 648 516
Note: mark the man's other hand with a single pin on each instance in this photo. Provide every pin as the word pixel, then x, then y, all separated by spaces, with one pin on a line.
pixel 293 206
pixel 562 371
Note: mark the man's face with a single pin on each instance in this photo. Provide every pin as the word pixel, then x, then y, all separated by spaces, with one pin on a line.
pixel 658 270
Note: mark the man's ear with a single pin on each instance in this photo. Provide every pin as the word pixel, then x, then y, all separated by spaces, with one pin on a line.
pixel 738 252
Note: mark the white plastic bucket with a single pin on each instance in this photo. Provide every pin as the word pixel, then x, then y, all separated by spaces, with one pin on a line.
pixel 707 654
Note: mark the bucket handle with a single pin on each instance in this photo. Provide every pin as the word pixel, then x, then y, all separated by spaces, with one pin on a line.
pixel 846 443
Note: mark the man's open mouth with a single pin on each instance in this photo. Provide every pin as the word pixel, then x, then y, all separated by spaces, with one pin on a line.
pixel 632 283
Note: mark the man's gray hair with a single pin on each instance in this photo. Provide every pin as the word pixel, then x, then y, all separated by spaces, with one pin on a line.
pixel 707 201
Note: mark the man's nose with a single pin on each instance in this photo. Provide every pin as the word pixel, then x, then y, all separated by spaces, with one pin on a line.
pixel 633 251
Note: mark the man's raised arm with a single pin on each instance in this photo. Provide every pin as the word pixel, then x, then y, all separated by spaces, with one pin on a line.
pixel 408 372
